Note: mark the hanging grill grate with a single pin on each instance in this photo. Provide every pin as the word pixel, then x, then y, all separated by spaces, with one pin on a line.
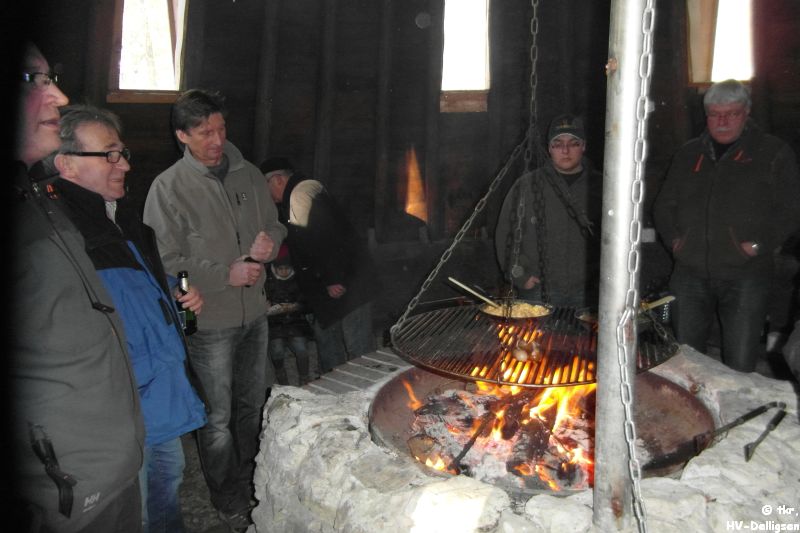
pixel 559 349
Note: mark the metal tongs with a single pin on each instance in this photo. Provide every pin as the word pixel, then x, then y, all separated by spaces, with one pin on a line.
pixel 749 449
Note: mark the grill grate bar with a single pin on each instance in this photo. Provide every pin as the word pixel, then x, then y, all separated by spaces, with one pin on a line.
pixel 464 342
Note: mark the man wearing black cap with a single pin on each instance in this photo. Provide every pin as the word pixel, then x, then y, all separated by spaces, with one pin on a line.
pixel 558 256
pixel 333 267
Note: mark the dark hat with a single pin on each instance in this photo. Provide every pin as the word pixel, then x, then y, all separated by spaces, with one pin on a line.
pixel 275 163
pixel 566 125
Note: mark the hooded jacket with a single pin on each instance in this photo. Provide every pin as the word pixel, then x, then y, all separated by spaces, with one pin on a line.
pixel 325 250
pixel 710 206
pixel 204 225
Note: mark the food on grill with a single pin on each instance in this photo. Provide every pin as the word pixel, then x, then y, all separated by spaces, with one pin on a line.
pixel 516 310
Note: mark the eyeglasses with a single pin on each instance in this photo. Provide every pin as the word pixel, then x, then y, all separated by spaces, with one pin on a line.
pixel 571 145
pixel 729 115
pixel 112 156
pixel 40 80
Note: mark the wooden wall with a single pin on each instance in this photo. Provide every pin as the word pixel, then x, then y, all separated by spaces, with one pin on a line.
pixel 345 88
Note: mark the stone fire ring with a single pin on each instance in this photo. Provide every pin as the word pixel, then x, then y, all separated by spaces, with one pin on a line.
pixel 319 470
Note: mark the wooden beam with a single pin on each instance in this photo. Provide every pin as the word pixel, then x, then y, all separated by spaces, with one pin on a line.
pixel 265 85
pixel 327 94
pixel 432 177
pixel 382 117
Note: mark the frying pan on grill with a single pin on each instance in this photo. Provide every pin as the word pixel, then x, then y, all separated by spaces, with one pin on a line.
pixel 506 308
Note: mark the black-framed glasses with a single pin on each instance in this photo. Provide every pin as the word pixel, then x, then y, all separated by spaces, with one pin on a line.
pixel 40 80
pixel 112 156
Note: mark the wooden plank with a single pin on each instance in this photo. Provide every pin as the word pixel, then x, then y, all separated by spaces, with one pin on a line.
pixel 265 84
pixel 327 95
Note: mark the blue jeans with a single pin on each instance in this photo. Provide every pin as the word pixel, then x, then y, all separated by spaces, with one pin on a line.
pixel 741 306
pixel 233 369
pixel 160 480
pixel 346 339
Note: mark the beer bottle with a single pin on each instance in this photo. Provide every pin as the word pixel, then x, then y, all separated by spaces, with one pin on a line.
pixel 187 317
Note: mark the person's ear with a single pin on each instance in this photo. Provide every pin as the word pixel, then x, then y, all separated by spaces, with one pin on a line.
pixel 66 166
pixel 182 136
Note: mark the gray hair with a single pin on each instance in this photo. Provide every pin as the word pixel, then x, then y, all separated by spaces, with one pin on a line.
pixel 73 117
pixel 727 92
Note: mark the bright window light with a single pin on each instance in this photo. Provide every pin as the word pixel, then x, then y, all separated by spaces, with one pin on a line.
pixel 152 39
pixel 465 63
pixel 733 45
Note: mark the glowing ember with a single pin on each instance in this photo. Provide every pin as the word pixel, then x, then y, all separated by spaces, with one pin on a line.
pixel 531 439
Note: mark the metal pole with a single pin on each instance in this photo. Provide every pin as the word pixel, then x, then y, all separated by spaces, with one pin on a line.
pixel 616 483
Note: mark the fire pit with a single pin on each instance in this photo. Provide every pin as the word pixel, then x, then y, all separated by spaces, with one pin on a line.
pixel 526 441
pixel 319 468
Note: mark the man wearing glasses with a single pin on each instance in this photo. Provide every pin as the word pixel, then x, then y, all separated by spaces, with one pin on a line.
pixel 92 162
pixel 77 428
pixel 547 236
pixel 730 200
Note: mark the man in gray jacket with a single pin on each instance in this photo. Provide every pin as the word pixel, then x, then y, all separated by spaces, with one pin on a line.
pixel 77 428
pixel 214 217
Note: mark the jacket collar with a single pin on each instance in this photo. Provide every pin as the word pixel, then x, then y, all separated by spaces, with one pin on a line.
pixel 744 143
pixel 87 211
pixel 235 159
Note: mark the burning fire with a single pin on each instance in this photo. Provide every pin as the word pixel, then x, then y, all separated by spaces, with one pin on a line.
pixel 540 438
pixel 542 435
pixel 415 191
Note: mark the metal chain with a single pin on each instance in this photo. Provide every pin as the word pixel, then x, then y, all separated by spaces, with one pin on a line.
pixel 533 81
pixel 461 232
pixel 513 268
pixel 626 328
pixel 534 147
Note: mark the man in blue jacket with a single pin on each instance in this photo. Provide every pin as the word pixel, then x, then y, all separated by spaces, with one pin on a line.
pixel 730 200
pixel 92 162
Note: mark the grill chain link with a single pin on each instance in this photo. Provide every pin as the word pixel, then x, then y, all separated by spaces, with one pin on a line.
pixel 626 328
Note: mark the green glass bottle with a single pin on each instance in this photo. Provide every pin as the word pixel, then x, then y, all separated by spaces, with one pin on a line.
pixel 187 317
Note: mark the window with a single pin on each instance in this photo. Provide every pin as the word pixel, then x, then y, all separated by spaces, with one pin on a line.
pixel 720 40
pixel 146 63
pixel 465 60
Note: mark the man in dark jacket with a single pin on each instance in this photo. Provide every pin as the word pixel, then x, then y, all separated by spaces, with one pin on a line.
pixel 92 162
pixel 78 435
pixel 559 239
pixel 333 267
pixel 730 200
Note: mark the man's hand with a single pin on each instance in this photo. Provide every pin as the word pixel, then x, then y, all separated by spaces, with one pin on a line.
pixel 336 291
pixel 262 247
pixel 244 273
pixel 192 300
pixel 531 283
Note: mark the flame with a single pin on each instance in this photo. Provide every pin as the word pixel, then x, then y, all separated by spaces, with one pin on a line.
pixel 438 464
pixel 415 192
pixel 413 403
pixel 555 410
